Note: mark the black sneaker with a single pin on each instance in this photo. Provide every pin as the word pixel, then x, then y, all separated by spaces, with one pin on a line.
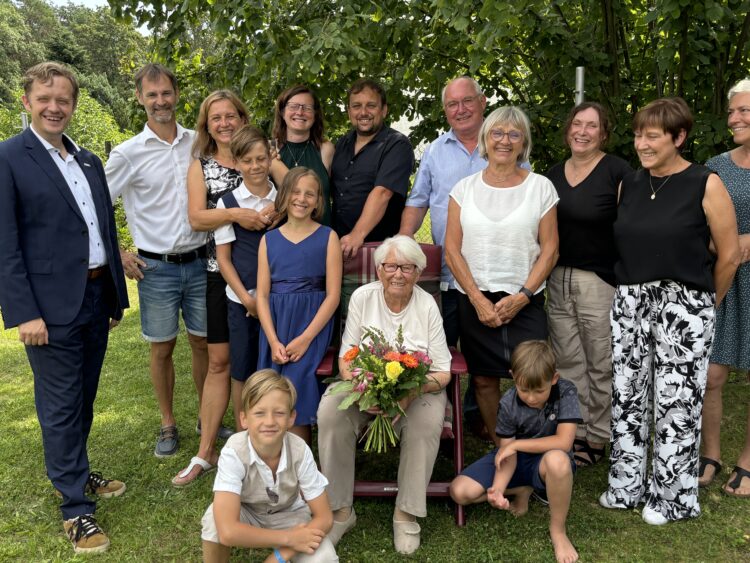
pixel 86 535
pixel 168 442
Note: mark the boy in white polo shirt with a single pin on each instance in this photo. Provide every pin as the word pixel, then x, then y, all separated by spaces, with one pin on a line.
pixel 268 491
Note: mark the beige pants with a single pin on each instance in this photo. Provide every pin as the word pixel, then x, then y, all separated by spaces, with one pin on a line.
pixel 419 433
pixel 578 310
pixel 325 553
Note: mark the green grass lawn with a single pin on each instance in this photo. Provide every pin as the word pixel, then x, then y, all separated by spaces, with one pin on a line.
pixel 153 521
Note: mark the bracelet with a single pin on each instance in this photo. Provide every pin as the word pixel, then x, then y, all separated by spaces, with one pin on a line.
pixel 278 556
pixel 527 292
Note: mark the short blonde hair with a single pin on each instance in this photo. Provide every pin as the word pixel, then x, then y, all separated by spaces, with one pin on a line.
pixel 44 73
pixel 261 383
pixel 510 115
pixel 533 363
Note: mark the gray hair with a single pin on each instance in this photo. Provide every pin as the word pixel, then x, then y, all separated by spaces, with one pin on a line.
pixel 507 115
pixel 405 248
pixel 474 83
pixel 741 87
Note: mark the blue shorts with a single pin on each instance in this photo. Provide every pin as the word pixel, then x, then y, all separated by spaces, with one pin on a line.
pixel 525 475
pixel 164 290
pixel 243 342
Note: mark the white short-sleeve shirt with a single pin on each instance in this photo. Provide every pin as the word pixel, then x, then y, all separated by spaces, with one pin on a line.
pixel 501 229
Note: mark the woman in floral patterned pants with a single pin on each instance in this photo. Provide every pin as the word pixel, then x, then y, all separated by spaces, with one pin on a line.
pixel 663 315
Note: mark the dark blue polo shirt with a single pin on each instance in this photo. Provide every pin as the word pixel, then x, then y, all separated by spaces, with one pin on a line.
pixel 515 419
pixel 388 161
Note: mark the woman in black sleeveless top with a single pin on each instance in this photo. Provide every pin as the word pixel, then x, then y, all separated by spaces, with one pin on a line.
pixel 663 314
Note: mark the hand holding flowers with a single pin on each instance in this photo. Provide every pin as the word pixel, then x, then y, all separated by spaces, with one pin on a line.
pixel 385 380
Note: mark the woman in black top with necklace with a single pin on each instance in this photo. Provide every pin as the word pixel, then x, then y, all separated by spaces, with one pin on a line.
pixel 581 286
pixel 298 131
pixel 663 314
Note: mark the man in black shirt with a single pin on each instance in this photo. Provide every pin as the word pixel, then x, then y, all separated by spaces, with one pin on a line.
pixel 370 171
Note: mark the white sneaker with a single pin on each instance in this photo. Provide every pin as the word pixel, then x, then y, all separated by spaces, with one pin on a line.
pixel 603 501
pixel 651 516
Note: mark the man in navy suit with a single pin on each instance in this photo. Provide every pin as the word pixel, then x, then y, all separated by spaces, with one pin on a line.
pixel 62 285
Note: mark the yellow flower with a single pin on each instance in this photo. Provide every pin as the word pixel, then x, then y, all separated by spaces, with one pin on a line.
pixel 393 370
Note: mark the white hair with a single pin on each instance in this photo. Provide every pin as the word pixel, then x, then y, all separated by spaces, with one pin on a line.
pixel 405 248
pixel 474 83
pixel 741 87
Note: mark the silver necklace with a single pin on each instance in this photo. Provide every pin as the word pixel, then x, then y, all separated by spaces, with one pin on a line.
pixel 651 184
pixel 297 158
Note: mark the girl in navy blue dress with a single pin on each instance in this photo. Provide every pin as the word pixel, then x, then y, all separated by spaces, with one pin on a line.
pixel 299 285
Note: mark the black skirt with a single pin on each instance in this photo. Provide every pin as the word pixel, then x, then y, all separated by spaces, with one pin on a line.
pixel 488 350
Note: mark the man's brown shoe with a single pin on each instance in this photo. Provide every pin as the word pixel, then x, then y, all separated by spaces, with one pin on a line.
pixel 104 488
pixel 86 535
pixel 101 487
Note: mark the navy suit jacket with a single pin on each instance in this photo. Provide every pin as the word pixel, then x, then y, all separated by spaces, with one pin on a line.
pixel 44 243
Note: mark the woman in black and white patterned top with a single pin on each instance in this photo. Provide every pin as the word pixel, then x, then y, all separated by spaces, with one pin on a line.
pixel 211 176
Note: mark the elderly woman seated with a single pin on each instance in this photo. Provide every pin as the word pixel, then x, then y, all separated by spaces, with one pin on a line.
pixel 386 304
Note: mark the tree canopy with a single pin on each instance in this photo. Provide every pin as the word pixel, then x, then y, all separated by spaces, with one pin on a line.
pixel 522 52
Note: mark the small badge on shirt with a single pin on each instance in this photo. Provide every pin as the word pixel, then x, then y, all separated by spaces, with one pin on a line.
pixel 87 164
pixel 552 416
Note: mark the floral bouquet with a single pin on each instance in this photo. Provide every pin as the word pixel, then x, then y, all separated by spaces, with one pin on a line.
pixel 382 375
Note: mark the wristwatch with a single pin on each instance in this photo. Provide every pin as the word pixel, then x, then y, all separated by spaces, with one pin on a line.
pixel 527 292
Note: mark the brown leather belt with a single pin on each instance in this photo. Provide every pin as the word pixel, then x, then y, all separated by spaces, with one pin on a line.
pixel 94 273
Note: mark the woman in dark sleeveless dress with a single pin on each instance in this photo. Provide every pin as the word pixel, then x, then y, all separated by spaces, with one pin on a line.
pixel 663 314
pixel 298 127
pixel 211 176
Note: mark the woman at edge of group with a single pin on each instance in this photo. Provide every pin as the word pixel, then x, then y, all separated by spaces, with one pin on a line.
pixel 581 287
pixel 731 346
pixel 392 302
pixel 501 244
pixel 210 176
pixel 298 129
pixel 668 213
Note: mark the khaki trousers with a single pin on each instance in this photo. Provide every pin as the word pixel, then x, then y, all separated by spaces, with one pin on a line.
pixel 326 552
pixel 419 432
pixel 578 313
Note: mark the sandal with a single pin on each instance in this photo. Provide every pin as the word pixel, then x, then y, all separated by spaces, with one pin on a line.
pixel 592 455
pixel 205 467
pixel 739 474
pixel 704 463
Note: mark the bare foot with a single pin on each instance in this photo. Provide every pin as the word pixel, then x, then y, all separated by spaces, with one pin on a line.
pixel 564 550
pixel 520 504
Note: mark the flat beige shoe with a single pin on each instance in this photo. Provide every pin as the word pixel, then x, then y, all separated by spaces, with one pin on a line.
pixel 340 528
pixel 406 536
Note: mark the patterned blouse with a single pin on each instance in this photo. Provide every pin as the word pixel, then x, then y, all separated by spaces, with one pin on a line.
pixel 219 181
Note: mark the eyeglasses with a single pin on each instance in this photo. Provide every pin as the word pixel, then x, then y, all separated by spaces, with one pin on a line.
pixel 293 106
pixel 468 102
pixel 499 134
pixel 405 268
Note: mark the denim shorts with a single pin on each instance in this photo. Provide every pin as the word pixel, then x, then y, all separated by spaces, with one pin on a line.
pixel 525 475
pixel 164 290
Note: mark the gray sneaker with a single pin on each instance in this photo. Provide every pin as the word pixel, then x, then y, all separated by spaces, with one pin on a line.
pixel 168 442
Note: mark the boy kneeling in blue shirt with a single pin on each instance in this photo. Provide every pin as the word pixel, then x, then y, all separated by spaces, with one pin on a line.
pixel 268 491
pixel 536 424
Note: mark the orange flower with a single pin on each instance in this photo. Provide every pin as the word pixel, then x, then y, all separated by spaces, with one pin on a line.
pixel 392 356
pixel 351 353
pixel 409 361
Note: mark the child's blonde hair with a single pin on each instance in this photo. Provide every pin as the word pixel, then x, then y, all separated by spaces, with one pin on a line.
pixel 289 183
pixel 261 383
pixel 533 364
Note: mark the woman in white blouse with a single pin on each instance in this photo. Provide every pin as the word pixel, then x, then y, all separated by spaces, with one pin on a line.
pixel 501 245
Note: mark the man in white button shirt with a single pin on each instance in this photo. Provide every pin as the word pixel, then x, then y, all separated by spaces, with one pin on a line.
pixel 150 172
pixel 61 283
